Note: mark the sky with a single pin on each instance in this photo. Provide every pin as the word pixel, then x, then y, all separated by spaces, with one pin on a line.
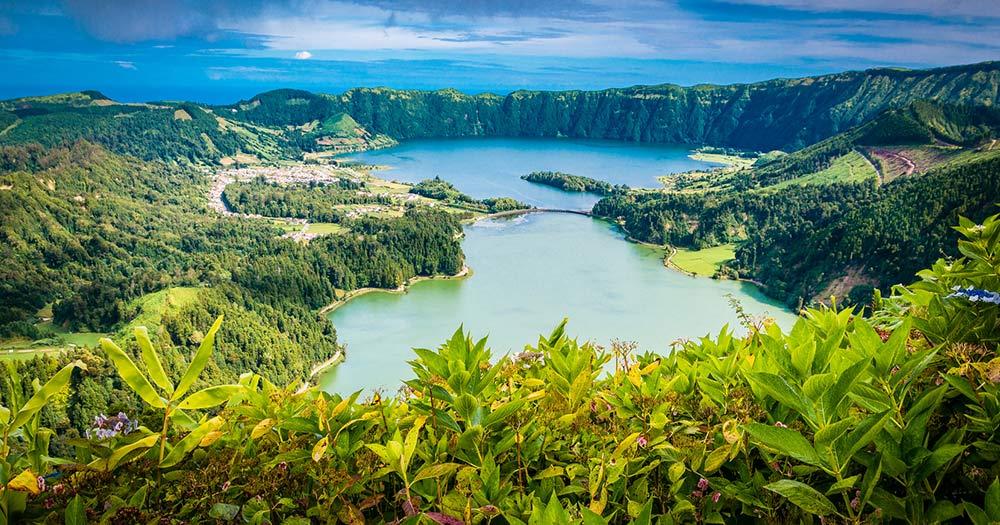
pixel 220 51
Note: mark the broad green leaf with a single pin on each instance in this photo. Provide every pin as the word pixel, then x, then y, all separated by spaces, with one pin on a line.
pixel 939 458
pixel 992 500
pixel 190 442
pixel 592 518
pixel 75 513
pixel 717 458
pixel 152 360
pixel 119 454
pixel 806 497
pixel 411 441
pixel 210 397
pixel 551 472
pixel 838 392
pixel 863 434
pixel 786 441
pixel 42 396
pixel 131 374
pixel 782 391
pixel 199 361
pixel 645 516
pixel 502 412
pixel 844 484
pixel 223 511
pixel 435 471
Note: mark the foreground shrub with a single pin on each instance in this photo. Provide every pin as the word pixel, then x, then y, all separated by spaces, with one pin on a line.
pixel 892 418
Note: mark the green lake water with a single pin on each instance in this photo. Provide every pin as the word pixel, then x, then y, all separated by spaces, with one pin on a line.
pixel 528 273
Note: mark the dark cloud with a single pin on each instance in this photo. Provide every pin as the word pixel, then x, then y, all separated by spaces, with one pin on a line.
pixel 140 20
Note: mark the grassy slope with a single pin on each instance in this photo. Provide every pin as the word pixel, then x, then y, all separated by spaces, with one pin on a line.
pixel 152 306
pixel 853 167
pixel 704 262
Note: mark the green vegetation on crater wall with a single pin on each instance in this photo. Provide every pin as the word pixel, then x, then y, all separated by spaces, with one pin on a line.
pixel 776 114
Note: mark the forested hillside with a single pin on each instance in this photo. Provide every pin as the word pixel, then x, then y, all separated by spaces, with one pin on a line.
pixel 104 241
pixel 846 418
pixel 777 114
pixel 810 226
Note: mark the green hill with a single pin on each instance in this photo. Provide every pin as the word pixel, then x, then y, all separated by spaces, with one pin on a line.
pixel 865 208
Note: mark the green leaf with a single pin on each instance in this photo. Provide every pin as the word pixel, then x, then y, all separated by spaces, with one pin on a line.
pixel 786 441
pixel 223 511
pixel 939 458
pixel 210 397
pixel 864 433
pixel 75 513
pixel 645 516
pixel 844 484
pixel 190 442
pixel 592 518
pixel 806 497
pixel 131 374
pixel 199 361
pixel 152 361
pixel 992 501
pixel 502 412
pixel 435 471
pixel 782 391
pixel 42 396
pixel 119 454
pixel 836 394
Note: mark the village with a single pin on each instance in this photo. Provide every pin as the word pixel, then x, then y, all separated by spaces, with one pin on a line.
pixel 302 230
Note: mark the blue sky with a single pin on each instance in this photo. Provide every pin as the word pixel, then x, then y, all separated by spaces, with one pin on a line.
pixel 224 50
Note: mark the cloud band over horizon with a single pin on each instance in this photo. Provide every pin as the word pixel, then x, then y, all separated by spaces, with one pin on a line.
pixel 503 45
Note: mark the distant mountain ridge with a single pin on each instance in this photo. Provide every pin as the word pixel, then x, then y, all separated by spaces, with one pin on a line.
pixel 783 114
pixel 774 114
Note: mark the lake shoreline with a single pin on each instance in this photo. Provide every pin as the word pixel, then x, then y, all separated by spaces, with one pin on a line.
pixel 466 271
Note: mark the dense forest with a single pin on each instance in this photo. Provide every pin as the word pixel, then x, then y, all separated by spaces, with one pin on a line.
pixel 102 237
pixel 567 182
pixel 776 114
pixel 805 238
pixel 315 201
pixel 444 191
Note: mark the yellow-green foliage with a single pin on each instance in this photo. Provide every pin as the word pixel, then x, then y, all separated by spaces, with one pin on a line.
pixel 887 418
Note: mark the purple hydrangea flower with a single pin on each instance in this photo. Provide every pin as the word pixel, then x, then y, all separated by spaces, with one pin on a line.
pixel 975 295
pixel 107 427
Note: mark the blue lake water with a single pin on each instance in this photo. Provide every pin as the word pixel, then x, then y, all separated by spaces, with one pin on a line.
pixel 492 167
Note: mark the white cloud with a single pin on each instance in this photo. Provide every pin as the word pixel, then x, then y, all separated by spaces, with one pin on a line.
pixel 303 55
pixel 125 64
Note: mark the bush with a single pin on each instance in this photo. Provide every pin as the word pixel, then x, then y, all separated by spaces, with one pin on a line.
pixel 888 418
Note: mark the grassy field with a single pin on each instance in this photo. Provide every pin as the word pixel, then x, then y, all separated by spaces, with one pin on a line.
pixel 853 167
pixel 703 262
pixel 324 228
pixel 54 339
pixel 57 339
